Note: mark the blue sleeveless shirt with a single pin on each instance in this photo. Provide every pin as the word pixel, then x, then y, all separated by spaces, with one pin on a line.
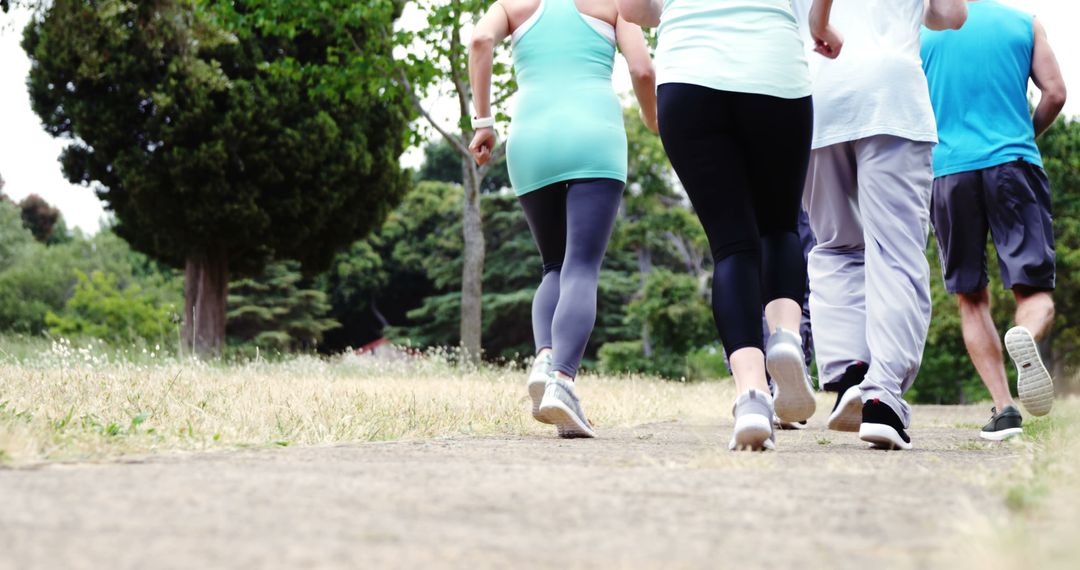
pixel 978 78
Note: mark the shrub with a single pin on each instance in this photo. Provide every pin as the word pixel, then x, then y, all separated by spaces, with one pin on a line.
pixel 100 309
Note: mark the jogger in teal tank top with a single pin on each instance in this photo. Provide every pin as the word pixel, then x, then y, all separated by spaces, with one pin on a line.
pixel 567 157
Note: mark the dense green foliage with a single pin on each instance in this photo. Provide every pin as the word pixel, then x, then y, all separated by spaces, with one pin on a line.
pixel 277 311
pixel 100 309
pixel 39 279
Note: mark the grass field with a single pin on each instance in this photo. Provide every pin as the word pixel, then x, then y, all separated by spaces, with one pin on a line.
pixel 86 403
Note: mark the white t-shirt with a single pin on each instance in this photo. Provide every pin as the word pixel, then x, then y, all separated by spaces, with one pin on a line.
pixel 745 46
pixel 876 86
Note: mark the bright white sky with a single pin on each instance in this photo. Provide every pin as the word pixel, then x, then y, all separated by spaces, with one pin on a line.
pixel 28 156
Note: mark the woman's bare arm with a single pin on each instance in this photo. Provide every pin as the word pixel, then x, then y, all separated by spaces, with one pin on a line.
pixel 490 30
pixel 633 47
pixel 642 12
pixel 827 40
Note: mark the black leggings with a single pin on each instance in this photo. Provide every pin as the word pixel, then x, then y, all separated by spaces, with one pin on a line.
pixel 571 222
pixel 742 159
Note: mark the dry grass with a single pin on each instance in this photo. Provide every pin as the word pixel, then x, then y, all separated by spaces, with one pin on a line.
pixel 1043 496
pixel 76 403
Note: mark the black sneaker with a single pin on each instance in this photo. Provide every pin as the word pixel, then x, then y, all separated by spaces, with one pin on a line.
pixel 882 428
pixel 1003 424
pixel 847 411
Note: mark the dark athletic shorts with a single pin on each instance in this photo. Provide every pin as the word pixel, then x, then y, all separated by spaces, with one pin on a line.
pixel 1012 201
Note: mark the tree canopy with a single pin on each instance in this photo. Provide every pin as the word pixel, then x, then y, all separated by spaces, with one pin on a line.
pixel 225 134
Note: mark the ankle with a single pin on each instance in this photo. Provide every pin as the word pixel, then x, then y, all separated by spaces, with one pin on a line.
pixel 1004 403
pixel 563 376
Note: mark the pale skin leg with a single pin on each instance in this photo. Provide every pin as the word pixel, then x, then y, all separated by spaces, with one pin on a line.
pixel 1034 311
pixel 984 345
pixel 748 364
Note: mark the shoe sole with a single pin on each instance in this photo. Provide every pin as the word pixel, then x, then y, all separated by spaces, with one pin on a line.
pixel 567 423
pixel 752 432
pixel 1001 435
pixel 794 402
pixel 1033 384
pixel 881 436
pixel 536 393
pixel 848 415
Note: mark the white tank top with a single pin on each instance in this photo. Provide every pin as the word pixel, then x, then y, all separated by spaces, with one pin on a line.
pixel 745 46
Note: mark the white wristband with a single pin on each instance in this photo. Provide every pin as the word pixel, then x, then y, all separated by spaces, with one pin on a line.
pixel 483 123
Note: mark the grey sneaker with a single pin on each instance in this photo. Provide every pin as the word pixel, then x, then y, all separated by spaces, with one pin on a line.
pixel 538 377
pixel 794 393
pixel 560 406
pixel 1033 382
pixel 1003 425
pixel 753 413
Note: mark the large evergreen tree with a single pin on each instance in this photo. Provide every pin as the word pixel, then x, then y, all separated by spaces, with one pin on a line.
pixel 225 134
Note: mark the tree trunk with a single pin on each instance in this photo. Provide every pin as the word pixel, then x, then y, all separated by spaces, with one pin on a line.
pixel 206 285
pixel 645 267
pixel 472 272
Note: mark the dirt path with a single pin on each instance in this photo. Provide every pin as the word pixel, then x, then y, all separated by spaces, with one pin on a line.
pixel 660 495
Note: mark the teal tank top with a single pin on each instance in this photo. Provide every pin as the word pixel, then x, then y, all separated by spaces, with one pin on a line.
pixel 567 123
pixel 978 78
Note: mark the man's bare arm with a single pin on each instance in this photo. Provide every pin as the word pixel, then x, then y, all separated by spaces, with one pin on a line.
pixel 1047 77
pixel 944 14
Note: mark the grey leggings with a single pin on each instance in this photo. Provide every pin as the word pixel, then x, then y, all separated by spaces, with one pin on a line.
pixel 571 222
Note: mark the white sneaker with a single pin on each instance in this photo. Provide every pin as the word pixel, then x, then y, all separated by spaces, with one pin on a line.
pixel 794 400
pixel 1033 382
pixel 561 406
pixel 753 413
pixel 538 377
pixel 847 413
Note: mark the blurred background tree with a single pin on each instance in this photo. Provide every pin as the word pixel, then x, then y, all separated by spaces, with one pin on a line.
pixel 278 310
pixel 226 134
pixel 436 64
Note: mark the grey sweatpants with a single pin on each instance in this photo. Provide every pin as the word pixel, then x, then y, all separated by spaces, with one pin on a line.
pixel 869 207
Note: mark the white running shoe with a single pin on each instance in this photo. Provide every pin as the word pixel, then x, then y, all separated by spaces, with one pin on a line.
pixel 794 401
pixel 753 413
pixel 561 406
pixel 847 413
pixel 538 377
pixel 1033 382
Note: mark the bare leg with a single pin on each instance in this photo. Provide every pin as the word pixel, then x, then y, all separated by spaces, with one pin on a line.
pixel 748 367
pixel 748 364
pixel 1034 310
pixel 784 313
pixel 984 346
